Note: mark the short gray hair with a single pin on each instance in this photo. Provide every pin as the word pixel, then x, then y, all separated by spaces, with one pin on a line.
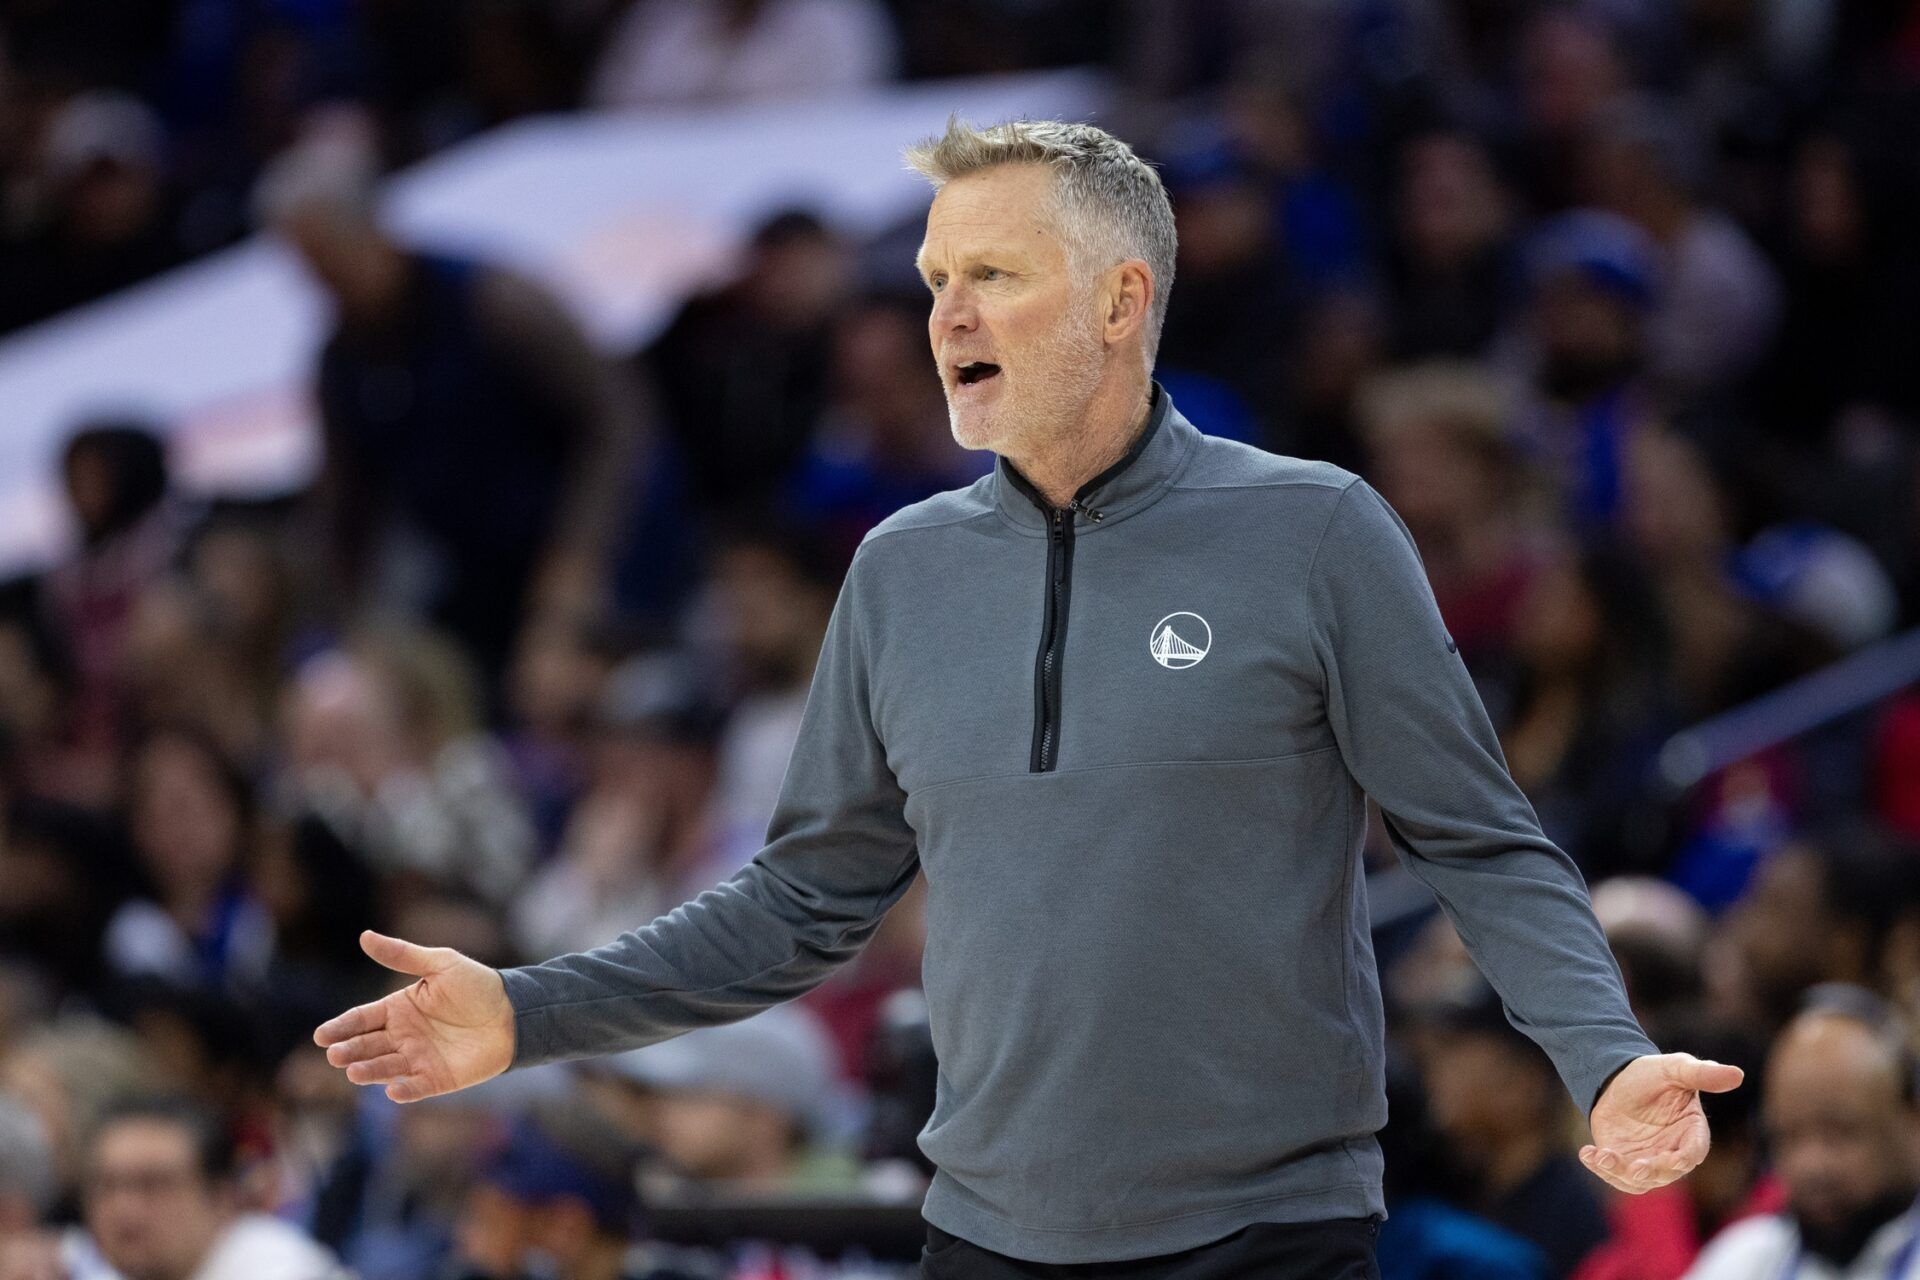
pixel 1111 205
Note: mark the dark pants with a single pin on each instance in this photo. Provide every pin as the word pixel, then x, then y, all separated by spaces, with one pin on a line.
pixel 1341 1249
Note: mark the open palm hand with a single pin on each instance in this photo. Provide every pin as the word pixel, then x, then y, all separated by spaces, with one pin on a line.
pixel 1648 1128
pixel 450 1029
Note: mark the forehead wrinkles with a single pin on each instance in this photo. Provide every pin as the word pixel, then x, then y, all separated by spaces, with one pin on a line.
pixel 975 216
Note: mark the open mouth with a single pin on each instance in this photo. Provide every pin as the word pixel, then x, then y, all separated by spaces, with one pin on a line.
pixel 975 372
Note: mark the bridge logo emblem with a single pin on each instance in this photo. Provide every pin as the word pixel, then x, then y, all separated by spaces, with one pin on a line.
pixel 1180 640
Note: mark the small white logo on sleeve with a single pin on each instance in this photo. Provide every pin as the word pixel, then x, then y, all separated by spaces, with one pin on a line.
pixel 1180 640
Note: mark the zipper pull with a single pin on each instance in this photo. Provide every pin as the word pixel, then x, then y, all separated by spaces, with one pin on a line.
pixel 1087 511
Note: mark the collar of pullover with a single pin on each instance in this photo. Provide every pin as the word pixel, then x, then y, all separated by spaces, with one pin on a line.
pixel 1132 483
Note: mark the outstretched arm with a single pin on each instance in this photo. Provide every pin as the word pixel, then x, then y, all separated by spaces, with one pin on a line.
pixel 839 855
pixel 1415 736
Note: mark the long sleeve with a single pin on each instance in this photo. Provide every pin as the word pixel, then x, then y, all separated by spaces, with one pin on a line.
pixel 1415 736
pixel 839 854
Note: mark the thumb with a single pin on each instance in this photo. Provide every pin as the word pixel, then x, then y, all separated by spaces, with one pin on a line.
pixel 1704 1076
pixel 400 956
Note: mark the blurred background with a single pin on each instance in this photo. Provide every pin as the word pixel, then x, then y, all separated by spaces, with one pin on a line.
pixel 432 433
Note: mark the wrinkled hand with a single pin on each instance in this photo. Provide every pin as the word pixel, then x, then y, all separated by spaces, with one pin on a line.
pixel 1648 1129
pixel 451 1029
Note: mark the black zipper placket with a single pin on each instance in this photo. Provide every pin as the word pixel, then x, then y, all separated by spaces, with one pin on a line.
pixel 1053 635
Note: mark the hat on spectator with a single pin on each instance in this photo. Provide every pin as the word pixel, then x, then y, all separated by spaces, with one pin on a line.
pixel 547 1159
pixel 1821 578
pixel 780 1056
pixel 1603 249
pixel 658 695
pixel 96 128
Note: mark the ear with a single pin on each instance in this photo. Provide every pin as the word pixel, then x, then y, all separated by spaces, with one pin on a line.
pixel 1126 298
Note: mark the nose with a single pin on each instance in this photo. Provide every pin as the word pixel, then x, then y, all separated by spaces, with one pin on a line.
pixel 954 311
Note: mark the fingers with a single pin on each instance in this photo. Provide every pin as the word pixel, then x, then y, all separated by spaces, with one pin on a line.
pixel 354 1022
pixel 409 1089
pixel 1706 1077
pixel 387 1067
pixel 401 956
pixel 360 1049
pixel 1636 1175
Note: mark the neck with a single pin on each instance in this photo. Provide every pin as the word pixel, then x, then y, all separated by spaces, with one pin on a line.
pixel 1113 420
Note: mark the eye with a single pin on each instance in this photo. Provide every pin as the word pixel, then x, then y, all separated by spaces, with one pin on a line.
pixel 935 281
pixel 992 273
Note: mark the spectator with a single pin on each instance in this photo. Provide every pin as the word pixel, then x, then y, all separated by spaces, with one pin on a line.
pixel 1497 1102
pixel 721 50
pixel 384 746
pixel 106 223
pixel 1437 440
pixel 640 841
pixel 743 369
pixel 1593 281
pixel 1659 1235
pixel 161 1205
pixel 191 815
pixel 459 399
pixel 883 440
pixel 69 1073
pixel 130 533
pixel 1841 1117
pixel 560 1201
pixel 760 620
pixel 1719 298
pixel 1425 1237
pixel 1571 68
pixel 27 1184
pixel 742 1104
pixel 1590 705
pixel 1450 267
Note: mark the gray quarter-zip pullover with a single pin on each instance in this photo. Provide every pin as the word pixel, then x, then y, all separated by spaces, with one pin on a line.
pixel 1129 744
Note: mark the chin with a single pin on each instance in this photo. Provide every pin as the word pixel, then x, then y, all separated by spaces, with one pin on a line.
pixel 974 429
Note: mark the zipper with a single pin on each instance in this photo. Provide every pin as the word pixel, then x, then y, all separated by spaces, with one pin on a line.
pixel 1053 633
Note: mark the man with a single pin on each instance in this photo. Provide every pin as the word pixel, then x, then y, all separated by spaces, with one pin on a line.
pixel 1119 700
pixel 161 1205
pixel 735 1105
pixel 560 1203
pixel 1499 1110
pixel 1841 1113
pixel 459 402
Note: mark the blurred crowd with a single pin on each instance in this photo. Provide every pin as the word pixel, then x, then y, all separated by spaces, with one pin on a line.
pixel 1615 301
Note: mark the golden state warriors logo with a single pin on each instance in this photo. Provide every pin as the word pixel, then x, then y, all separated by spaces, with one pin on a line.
pixel 1180 640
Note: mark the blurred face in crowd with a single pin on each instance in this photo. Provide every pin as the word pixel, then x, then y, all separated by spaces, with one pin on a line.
pixel 771 617
pixel 1589 338
pixel 1485 1092
pixel 1784 936
pixel 797 282
pixel 719 1136
pixel 1451 204
pixel 1225 227
pixel 1016 336
pixel 151 1207
pixel 880 375
pixel 1569 70
pixel 185 822
pixel 1843 1132
pixel 341 721
pixel 1440 476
